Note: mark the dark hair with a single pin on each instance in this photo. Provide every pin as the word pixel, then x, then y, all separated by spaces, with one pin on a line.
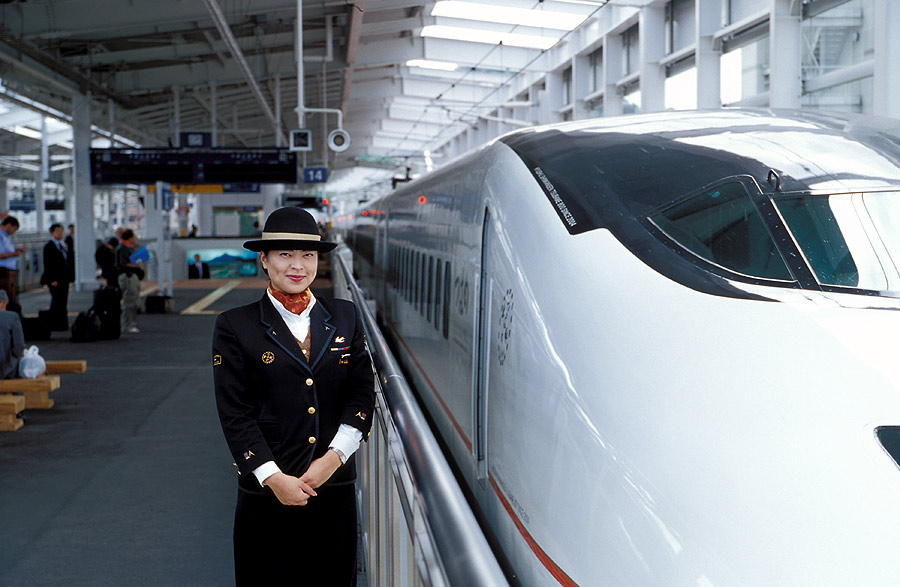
pixel 113 241
pixel 54 226
pixel 10 220
pixel 127 234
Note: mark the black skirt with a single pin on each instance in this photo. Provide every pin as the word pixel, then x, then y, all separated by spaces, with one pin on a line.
pixel 313 544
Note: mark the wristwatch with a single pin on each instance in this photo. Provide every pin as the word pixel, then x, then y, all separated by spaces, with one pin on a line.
pixel 339 454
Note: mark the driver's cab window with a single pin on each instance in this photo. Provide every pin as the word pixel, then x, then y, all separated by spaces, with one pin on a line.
pixel 722 226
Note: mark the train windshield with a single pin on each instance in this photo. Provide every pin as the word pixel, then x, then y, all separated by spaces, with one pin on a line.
pixel 848 240
pixel 721 226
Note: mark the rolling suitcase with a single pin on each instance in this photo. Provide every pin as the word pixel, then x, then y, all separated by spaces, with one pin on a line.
pixel 108 307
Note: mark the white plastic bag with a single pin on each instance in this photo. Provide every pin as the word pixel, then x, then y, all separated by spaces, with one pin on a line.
pixel 31 364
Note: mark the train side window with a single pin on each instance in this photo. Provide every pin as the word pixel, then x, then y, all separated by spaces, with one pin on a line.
pixel 407 287
pixel 420 290
pixel 415 280
pixel 429 289
pixel 722 226
pixel 447 300
pixel 404 277
pixel 438 292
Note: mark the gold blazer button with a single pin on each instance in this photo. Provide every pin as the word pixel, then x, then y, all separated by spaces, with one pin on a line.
pixel 309 382
pixel 311 410
pixel 312 439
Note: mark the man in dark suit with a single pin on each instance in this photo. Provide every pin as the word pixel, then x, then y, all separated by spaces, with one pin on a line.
pixel 56 277
pixel 198 269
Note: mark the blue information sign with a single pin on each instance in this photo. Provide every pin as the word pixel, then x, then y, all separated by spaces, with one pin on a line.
pixel 315 174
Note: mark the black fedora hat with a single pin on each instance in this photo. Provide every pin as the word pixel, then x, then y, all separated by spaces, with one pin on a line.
pixel 290 229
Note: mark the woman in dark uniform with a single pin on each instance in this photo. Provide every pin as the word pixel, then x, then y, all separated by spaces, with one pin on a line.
pixel 294 390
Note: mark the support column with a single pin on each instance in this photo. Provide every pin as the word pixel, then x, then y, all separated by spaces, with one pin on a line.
pixel 213 113
pixel 785 55
pixel 709 73
pixel 652 49
pixel 176 122
pixel 886 86
pixel 612 72
pixel 551 99
pixel 278 129
pixel 69 187
pixel 4 195
pixel 85 271
pixel 40 177
pixel 271 198
pixel 581 85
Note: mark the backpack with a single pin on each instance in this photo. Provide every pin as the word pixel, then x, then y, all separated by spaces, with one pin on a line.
pixel 86 327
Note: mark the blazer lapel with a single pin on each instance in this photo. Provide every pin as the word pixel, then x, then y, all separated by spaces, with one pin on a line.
pixel 321 332
pixel 279 333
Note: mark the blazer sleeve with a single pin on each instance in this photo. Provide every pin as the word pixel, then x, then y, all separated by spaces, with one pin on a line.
pixel 360 382
pixel 235 402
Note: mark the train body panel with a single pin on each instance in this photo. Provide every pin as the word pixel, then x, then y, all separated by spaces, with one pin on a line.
pixel 626 414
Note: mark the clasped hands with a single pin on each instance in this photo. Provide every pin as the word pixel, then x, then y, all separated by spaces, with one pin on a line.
pixel 292 490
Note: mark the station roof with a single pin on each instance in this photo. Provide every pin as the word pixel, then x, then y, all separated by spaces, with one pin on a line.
pixel 371 59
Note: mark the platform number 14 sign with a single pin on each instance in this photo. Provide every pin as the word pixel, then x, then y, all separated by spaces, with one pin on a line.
pixel 315 174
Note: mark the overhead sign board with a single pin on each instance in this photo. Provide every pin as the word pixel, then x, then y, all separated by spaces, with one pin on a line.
pixel 207 166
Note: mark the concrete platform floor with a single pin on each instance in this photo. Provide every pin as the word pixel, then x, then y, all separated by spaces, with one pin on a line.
pixel 127 479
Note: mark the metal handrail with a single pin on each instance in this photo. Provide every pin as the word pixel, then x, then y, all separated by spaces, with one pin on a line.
pixel 455 537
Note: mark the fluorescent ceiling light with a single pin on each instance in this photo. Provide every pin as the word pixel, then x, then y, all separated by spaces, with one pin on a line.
pixel 27 132
pixel 428 64
pixel 489 37
pixel 543 19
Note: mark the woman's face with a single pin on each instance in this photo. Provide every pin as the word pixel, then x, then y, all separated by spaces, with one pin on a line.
pixel 291 272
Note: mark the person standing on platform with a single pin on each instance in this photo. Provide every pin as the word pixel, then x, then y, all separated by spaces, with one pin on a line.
pixel 198 269
pixel 105 256
pixel 129 281
pixel 9 259
pixel 12 340
pixel 294 391
pixel 56 278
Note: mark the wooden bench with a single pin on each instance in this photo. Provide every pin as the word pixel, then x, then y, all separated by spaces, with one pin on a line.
pixel 10 408
pixel 36 391
pixel 57 367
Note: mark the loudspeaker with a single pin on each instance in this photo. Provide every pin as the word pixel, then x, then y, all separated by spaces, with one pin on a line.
pixel 338 140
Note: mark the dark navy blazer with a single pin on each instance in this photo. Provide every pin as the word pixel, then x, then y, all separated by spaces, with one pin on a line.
pixel 276 406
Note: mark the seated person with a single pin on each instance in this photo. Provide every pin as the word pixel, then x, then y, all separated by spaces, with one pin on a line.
pixel 12 340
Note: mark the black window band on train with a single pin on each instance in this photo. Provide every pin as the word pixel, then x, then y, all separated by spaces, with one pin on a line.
pixel 643 188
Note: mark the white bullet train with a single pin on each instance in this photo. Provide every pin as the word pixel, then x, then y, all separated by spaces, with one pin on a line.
pixel 662 350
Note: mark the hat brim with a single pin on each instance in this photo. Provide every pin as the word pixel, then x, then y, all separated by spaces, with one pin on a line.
pixel 289 245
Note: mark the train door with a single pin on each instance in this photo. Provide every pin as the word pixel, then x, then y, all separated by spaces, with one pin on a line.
pixel 482 348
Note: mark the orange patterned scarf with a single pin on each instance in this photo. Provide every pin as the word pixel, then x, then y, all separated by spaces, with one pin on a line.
pixel 293 303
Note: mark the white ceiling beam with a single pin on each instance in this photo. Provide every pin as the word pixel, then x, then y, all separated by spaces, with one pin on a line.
pixel 438 90
pixel 134 57
pixel 379 53
pixel 19 116
pixel 80 17
pixel 375 90
pixel 479 55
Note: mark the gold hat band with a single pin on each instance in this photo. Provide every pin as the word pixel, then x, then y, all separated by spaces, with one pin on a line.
pixel 290 236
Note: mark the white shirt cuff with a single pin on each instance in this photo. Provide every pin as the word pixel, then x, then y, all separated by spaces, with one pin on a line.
pixel 346 440
pixel 265 470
